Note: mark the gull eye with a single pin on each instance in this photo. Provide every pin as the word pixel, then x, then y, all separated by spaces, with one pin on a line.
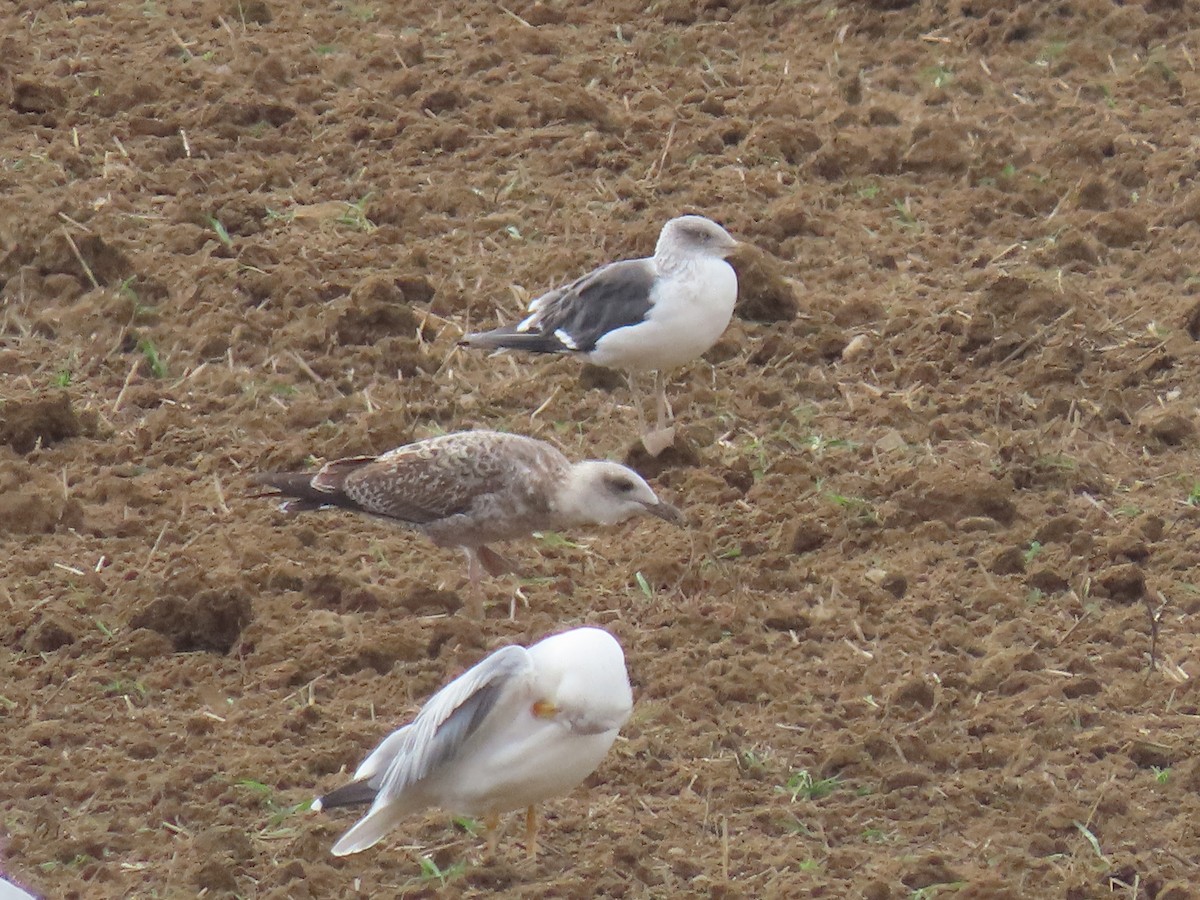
pixel 621 485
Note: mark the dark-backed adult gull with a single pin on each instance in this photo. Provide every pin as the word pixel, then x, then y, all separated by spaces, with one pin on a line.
pixel 638 315
pixel 520 727
pixel 472 488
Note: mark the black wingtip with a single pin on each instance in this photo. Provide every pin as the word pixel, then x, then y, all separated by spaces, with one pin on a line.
pixel 356 793
pixel 295 488
pixel 488 340
pixel 510 339
pixel 284 484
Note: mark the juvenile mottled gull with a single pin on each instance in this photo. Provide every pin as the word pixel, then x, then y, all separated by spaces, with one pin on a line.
pixel 637 315
pixel 472 488
pixel 520 727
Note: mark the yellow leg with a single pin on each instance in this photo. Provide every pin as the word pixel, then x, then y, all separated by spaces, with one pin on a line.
pixel 662 404
pixel 531 831
pixel 635 397
pixel 492 823
pixel 474 604
pixel 663 435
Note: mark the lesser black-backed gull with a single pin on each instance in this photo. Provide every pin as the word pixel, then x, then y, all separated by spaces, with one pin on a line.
pixel 638 315
pixel 522 726
pixel 469 489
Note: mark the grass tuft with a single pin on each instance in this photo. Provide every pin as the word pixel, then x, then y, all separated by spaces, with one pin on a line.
pixel 644 585
pixel 802 784
pixel 222 234
pixel 432 872
pixel 355 215
pixel 154 360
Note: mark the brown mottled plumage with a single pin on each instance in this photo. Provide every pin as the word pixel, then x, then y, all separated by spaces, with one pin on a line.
pixel 472 488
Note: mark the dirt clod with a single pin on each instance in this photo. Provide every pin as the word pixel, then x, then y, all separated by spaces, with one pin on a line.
pixel 50 635
pixel 929 871
pixel 37 421
pixel 764 294
pixel 252 12
pixel 1125 583
pixel 376 309
pixel 211 620
pixel 32 96
pixel 1167 426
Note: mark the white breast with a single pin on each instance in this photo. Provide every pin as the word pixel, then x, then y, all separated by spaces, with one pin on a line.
pixel 691 311
pixel 525 762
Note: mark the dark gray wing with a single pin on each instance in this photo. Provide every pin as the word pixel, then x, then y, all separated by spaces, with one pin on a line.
pixel 452 716
pixel 571 319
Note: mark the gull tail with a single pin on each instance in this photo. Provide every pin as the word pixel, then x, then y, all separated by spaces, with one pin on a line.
pixel 369 831
pixel 311 490
pixel 509 338
pixel 296 486
pixel 369 776
pixel 352 794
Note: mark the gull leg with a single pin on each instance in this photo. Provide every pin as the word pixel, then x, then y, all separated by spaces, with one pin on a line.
pixel 665 413
pixel 475 569
pixel 663 435
pixel 636 396
pixel 491 822
pixel 495 564
pixel 531 832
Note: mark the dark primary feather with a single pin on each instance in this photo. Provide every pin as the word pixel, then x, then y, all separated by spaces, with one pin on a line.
pixel 353 794
pixel 613 296
pixel 297 488
pixel 509 338
pixel 332 476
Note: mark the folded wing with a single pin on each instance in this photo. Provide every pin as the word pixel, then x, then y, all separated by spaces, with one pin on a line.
pixel 571 319
pixel 435 737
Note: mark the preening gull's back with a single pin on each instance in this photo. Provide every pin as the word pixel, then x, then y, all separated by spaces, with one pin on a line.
pixel 520 727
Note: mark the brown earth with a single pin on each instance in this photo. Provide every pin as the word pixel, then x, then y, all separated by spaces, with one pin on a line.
pixel 941 472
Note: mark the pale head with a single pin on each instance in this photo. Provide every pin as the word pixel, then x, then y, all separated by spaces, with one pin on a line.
pixel 689 236
pixel 581 674
pixel 596 492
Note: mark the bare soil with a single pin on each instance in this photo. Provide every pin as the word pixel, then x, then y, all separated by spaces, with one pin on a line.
pixel 941 472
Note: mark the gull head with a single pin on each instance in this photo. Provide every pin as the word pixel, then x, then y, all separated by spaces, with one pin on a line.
pixel 581 680
pixel 596 492
pixel 693 236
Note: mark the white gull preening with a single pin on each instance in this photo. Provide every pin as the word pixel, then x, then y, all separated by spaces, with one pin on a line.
pixel 522 726
pixel 9 891
pixel 469 489
pixel 638 315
